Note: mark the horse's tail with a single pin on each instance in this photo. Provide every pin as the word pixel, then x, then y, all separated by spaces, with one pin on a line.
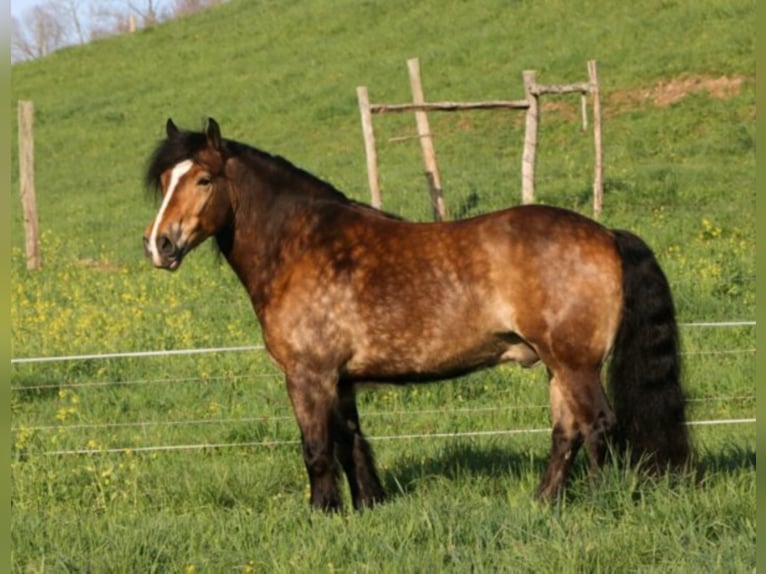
pixel 645 370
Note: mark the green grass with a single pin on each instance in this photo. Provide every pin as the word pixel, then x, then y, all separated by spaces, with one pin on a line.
pixel 282 76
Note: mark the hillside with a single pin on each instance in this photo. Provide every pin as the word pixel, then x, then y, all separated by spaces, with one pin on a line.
pixel 678 92
pixel 283 76
pixel 678 105
pixel 189 462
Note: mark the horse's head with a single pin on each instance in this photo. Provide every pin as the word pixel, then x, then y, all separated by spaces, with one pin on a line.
pixel 187 169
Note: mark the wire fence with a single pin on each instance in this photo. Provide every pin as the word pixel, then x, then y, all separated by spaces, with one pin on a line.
pixel 748 399
pixel 371 414
pixel 237 349
pixel 379 438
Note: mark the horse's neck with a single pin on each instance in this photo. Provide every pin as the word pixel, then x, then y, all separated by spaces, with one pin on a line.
pixel 272 219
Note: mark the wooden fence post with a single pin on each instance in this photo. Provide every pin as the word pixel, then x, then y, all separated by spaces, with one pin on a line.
pixel 426 143
pixel 530 139
pixel 598 181
pixel 530 103
pixel 369 146
pixel 27 182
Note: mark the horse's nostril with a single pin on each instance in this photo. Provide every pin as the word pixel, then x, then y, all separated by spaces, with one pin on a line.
pixel 165 246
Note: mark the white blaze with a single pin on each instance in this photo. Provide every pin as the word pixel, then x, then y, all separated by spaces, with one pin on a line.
pixel 178 171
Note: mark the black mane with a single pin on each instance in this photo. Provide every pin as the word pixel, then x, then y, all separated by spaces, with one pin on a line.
pixel 187 144
pixel 170 152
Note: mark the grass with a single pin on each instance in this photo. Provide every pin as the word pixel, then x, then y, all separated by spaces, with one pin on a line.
pixel 282 75
pixel 455 506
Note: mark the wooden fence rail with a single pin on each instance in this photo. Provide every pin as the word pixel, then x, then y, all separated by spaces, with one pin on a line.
pixel 530 104
pixel 449 106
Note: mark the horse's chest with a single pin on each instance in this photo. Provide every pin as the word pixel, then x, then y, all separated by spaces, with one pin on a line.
pixel 317 323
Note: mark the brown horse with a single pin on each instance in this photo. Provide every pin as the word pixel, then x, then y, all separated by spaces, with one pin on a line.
pixel 346 294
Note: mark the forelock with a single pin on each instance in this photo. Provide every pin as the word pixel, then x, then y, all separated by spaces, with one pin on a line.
pixel 170 152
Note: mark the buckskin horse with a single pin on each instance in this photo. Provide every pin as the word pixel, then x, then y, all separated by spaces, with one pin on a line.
pixel 346 294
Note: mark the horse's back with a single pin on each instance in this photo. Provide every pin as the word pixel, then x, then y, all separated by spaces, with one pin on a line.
pixel 524 283
pixel 390 298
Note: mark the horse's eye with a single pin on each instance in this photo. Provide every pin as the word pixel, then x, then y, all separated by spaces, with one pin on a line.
pixel 203 181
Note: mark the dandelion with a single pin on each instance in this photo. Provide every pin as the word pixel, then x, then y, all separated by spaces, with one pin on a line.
pixel 215 408
pixel 22 437
pixel 709 230
pixel 64 414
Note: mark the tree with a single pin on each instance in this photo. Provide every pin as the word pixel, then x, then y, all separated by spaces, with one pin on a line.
pixel 121 16
pixel 41 32
pixel 184 7
pixel 73 9
pixel 53 24
pixel 147 10
pixel 107 19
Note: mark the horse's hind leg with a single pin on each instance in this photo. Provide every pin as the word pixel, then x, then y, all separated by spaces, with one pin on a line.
pixel 313 400
pixel 581 415
pixel 596 425
pixel 566 440
pixel 354 452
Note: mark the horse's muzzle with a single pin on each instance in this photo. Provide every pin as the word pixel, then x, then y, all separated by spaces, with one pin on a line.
pixel 166 253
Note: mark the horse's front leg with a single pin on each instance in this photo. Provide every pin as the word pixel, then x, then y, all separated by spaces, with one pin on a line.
pixel 354 452
pixel 313 398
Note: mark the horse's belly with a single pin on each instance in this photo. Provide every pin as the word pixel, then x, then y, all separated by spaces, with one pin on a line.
pixel 521 353
pixel 403 358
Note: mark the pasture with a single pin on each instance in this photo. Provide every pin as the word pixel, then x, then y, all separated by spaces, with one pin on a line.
pixel 190 462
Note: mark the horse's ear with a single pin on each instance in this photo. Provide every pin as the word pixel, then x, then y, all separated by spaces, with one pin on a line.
pixel 171 129
pixel 213 134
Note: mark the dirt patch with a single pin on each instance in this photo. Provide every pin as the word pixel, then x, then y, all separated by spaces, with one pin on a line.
pixel 662 94
pixel 668 92
pixel 569 110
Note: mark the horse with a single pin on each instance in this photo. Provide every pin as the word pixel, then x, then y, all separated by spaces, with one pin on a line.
pixel 348 296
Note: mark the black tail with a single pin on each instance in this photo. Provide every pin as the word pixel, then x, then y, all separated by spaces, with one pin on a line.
pixel 645 371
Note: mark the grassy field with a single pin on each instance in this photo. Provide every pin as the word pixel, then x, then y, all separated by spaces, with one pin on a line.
pixel 191 462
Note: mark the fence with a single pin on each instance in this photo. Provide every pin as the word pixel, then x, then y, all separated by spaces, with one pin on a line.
pixel 26 112
pixel 136 354
pixel 469 413
pixel 530 103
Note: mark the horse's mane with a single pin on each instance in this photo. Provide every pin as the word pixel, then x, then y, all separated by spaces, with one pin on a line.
pixel 186 144
pixel 170 152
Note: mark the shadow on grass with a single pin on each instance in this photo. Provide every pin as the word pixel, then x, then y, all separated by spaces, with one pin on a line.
pixel 460 461
pixel 731 458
